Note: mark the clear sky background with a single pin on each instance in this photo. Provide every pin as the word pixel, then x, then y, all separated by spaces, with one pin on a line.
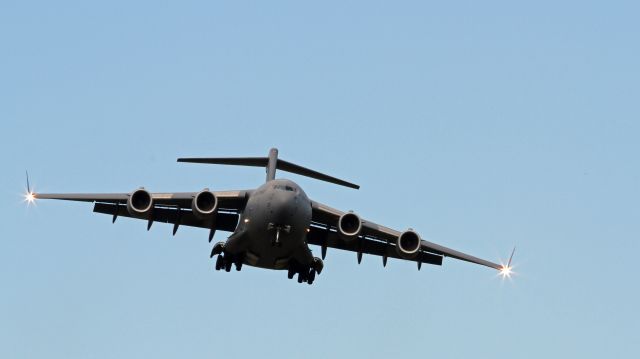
pixel 483 125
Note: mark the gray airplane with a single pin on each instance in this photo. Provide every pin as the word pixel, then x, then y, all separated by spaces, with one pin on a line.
pixel 272 226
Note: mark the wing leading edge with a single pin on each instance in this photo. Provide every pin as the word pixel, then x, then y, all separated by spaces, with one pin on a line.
pixel 232 200
pixel 380 240
pixel 172 208
pixel 175 208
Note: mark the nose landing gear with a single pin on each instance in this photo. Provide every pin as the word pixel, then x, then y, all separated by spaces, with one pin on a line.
pixel 279 228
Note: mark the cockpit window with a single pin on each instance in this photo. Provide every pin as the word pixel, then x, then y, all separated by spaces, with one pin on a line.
pixel 284 188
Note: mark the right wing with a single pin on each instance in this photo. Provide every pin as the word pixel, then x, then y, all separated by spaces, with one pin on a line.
pixel 172 208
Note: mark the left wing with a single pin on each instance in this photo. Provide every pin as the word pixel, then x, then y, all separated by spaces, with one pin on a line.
pixel 377 240
pixel 172 208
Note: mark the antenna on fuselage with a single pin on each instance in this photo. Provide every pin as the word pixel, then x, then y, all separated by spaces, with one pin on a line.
pixel 272 163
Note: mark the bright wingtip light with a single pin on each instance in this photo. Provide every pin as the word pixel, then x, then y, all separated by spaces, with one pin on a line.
pixel 30 197
pixel 506 271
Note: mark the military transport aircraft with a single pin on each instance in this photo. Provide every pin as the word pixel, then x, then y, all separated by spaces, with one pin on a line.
pixel 273 225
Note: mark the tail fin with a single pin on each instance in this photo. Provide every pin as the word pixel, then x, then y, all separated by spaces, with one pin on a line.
pixel 271 163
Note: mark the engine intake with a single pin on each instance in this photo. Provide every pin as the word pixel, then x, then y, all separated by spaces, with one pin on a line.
pixel 408 244
pixel 349 226
pixel 205 204
pixel 140 202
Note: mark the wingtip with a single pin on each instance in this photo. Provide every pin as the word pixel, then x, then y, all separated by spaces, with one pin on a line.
pixel 28 184
pixel 30 196
pixel 511 256
pixel 506 270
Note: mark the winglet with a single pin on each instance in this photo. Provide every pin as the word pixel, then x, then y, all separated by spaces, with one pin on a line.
pixel 28 185
pixel 506 270
pixel 29 197
pixel 511 257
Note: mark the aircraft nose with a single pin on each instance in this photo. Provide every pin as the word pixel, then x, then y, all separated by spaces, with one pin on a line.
pixel 282 208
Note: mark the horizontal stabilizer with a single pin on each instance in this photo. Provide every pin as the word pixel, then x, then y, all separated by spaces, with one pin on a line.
pixel 264 162
pixel 293 168
pixel 237 161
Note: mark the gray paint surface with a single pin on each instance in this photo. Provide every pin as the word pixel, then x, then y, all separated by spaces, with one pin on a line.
pixel 272 226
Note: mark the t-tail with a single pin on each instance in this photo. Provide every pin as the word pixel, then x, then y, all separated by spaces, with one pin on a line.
pixel 271 163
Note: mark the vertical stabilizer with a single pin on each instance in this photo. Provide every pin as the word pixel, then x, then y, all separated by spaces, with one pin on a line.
pixel 272 164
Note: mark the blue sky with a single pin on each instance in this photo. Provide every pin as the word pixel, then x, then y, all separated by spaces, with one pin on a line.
pixel 480 125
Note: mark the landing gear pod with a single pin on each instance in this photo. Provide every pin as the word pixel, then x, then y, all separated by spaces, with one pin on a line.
pixel 349 226
pixel 408 244
pixel 139 203
pixel 205 204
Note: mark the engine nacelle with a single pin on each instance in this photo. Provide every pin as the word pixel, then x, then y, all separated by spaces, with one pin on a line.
pixel 140 202
pixel 204 204
pixel 349 226
pixel 408 244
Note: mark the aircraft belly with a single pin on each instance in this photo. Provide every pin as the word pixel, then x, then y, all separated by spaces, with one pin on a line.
pixel 275 223
pixel 261 251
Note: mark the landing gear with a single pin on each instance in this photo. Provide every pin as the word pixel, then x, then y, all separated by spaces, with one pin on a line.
pixel 219 262
pixel 312 276
pixel 226 261
pixel 305 273
pixel 279 230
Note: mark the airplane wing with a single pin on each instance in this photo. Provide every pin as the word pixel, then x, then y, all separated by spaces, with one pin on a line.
pixel 172 208
pixel 377 240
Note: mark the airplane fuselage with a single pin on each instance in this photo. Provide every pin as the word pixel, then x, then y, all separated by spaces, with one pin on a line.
pixel 273 227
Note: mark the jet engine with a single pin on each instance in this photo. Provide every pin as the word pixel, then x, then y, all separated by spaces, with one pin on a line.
pixel 139 203
pixel 408 244
pixel 349 226
pixel 204 204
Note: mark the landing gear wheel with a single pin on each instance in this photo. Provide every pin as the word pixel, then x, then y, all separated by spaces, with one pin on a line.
pixel 291 273
pixel 227 265
pixel 219 262
pixel 238 265
pixel 300 279
pixel 312 276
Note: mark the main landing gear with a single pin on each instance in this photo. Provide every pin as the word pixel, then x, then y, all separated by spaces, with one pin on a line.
pixel 305 273
pixel 226 260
